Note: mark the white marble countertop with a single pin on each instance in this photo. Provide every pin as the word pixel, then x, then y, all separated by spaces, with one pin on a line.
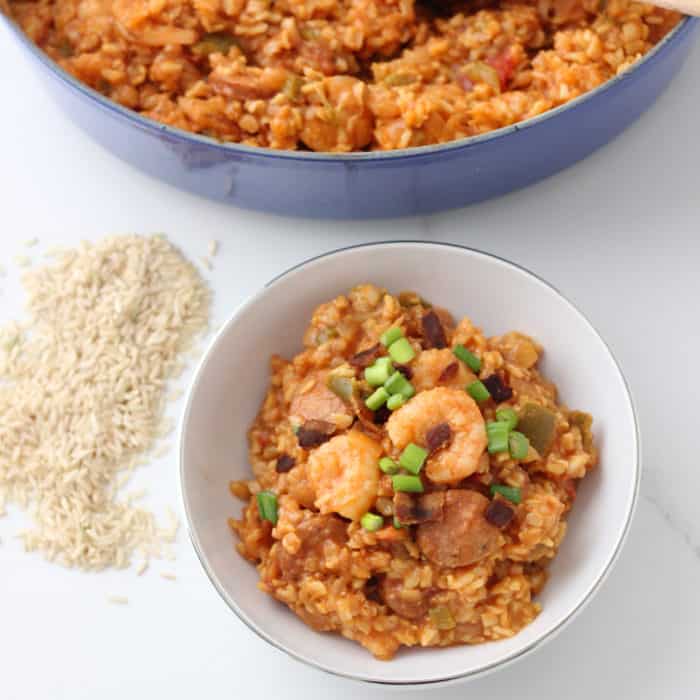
pixel 617 233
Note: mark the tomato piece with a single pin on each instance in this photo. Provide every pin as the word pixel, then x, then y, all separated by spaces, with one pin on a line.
pixel 504 65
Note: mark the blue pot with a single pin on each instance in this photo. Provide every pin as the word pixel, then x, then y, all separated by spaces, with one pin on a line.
pixel 375 184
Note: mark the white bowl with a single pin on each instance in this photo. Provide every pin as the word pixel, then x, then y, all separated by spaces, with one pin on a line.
pixel 498 296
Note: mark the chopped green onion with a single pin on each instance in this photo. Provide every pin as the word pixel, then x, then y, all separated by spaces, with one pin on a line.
pixel 398 384
pixel 478 391
pixel 468 357
pixel 512 493
pixel 507 415
pixel 385 361
pixel 497 434
pixel 376 374
pixel 388 466
pixel 407 483
pixel 413 458
pixel 397 523
pixel 518 444
pixel 371 522
pixel 377 399
pixel 401 351
pixel 295 428
pixel 395 401
pixel 391 336
pixel 267 506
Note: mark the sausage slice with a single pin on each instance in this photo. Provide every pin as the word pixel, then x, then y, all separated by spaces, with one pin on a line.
pixel 411 603
pixel 463 536
pixel 412 509
pixel 313 533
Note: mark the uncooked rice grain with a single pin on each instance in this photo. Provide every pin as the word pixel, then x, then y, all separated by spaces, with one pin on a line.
pixel 175 394
pixel 168 576
pixel 141 568
pixel 162 451
pixel 118 599
pixel 82 392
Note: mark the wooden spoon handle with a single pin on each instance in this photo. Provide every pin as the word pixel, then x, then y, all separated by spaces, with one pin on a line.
pixel 687 7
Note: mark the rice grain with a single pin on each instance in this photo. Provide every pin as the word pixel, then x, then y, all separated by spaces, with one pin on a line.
pixel 118 599
pixel 141 569
pixel 82 393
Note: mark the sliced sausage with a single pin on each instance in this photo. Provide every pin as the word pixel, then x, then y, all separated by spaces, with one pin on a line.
pixel 285 463
pixel 413 509
pixel 499 513
pixel 314 433
pixel 433 332
pixel 366 357
pixel 463 536
pixel 313 533
pixel 449 373
pixel 410 603
pixel 318 403
pixel 438 436
pixel 248 83
pixel 498 389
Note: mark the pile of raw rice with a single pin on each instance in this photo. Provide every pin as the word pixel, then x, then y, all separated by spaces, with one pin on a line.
pixel 82 389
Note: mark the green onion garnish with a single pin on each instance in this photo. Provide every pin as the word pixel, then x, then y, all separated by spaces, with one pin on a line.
pixel 497 434
pixel 384 361
pixel 398 384
pixel 377 399
pixel 518 444
pixel 390 336
pixel 507 415
pixel 512 493
pixel 407 483
pixel 388 466
pixel 397 523
pixel 395 401
pixel 267 506
pixel 413 458
pixel 376 374
pixel 468 357
pixel 478 391
pixel 401 351
pixel 371 522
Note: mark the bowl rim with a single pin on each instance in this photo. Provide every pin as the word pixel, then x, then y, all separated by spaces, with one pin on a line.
pixel 611 560
pixel 684 26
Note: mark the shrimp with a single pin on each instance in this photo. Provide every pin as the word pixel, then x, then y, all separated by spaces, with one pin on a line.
pixel 344 474
pixel 440 368
pixel 460 458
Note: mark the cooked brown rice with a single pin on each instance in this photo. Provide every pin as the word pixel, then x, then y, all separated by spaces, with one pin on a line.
pixel 342 75
pixel 460 556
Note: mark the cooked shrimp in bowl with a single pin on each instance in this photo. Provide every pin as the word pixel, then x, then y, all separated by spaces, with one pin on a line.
pixel 412 477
